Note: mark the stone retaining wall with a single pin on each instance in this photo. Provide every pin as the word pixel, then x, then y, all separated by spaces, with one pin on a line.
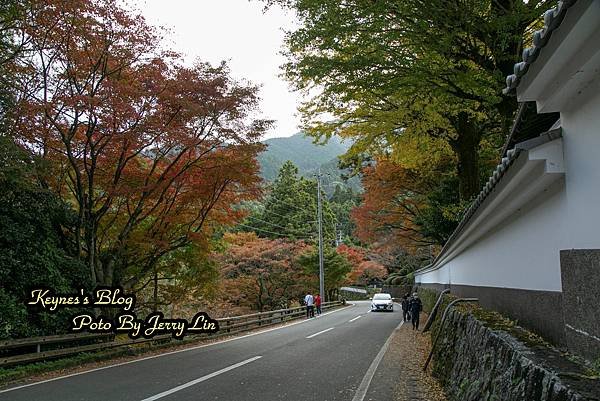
pixel 477 363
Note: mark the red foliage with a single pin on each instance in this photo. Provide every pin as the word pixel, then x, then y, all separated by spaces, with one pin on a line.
pixel 151 154
pixel 354 255
pixel 368 270
pixel 388 207
pixel 259 273
pixel 363 269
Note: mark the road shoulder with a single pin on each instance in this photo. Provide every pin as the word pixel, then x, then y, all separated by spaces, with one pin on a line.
pixel 400 375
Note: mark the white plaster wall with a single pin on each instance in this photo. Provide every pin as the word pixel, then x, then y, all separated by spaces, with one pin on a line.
pixel 524 252
pixel 521 253
pixel 581 134
pixel 440 276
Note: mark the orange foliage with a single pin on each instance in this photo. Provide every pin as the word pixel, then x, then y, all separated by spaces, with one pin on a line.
pixel 363 269
pixel 389 205
pixel 259 273
pixel 354 255
pixel 151 154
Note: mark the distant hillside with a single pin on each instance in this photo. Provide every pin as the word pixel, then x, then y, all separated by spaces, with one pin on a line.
pixel 307 156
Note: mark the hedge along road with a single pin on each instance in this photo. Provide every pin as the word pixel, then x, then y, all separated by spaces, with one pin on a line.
pixel 325 358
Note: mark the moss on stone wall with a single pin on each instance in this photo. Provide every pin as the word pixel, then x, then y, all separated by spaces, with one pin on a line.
pixel 428 297
pixel 482 355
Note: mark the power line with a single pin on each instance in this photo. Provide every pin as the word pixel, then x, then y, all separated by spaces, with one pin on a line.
pixel 277 225
pixel 285 217
pixel 271 232
pixel 273 200
pixel 285 203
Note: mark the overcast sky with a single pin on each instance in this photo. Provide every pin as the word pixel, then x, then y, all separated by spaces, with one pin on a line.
pixel 237 31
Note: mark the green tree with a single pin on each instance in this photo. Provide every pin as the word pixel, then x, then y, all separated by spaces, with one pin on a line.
pixel 36 248
pixel 342 202
pixel 11 46
pixel 390 71
pixel 335 265
pixel 290 209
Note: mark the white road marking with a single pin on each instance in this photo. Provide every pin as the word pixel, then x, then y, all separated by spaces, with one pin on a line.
pixel 369 311
pixel 356 318
pixel 366 381
pixel 320 332
pixel 167 353
pixel 200 380
pixel 582 332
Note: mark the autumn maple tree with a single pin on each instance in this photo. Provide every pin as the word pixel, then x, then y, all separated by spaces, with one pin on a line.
pixel 399 205
pixel 262 274
pixel 151 154
pixel 363 270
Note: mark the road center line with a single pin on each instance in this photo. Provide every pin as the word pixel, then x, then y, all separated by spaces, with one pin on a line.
pixel 320 332
pixel 366 381
pixel 201 379
pixel 301 321
pixel 356 318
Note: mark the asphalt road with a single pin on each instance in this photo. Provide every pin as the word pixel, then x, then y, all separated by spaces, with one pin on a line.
pixel 328 358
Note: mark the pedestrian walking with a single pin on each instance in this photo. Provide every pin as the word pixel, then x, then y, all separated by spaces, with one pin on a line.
pixel 405 311
pixel 415 306
pixel 309 301
pixel 318 304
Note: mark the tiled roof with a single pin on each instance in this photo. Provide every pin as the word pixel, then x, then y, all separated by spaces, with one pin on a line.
pixel 493 181
pixel 552 20
pixel 528 124
pixel 505 163
pixel 498 173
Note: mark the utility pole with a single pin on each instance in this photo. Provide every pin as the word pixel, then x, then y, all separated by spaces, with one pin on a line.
pixel 320 219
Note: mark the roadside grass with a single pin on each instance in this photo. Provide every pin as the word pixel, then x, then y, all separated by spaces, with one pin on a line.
pixel 12 374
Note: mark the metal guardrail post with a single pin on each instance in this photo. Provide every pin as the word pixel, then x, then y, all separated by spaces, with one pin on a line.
pixel 433 313
pixel 437 336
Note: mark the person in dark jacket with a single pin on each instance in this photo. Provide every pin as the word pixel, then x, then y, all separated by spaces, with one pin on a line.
pixel 405 311
pixel 415 307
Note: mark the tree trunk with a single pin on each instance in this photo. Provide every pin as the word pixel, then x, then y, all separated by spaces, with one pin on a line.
pixel 466 147
pixel 155 309
pixel 261 287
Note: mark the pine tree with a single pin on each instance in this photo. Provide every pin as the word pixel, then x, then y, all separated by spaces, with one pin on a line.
pixel 290 209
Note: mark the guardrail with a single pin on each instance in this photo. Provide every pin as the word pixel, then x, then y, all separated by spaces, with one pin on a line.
pixel 97 342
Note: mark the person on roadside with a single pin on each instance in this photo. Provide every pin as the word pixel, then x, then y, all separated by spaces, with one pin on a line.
pixel 405 311
pixel 415 307
pixel 318 304
pixel 309 301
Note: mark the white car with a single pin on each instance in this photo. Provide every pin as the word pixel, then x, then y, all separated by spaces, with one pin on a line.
pixel 382 302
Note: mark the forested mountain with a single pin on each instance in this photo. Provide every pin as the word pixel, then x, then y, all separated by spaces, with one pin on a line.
pixel 308 157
